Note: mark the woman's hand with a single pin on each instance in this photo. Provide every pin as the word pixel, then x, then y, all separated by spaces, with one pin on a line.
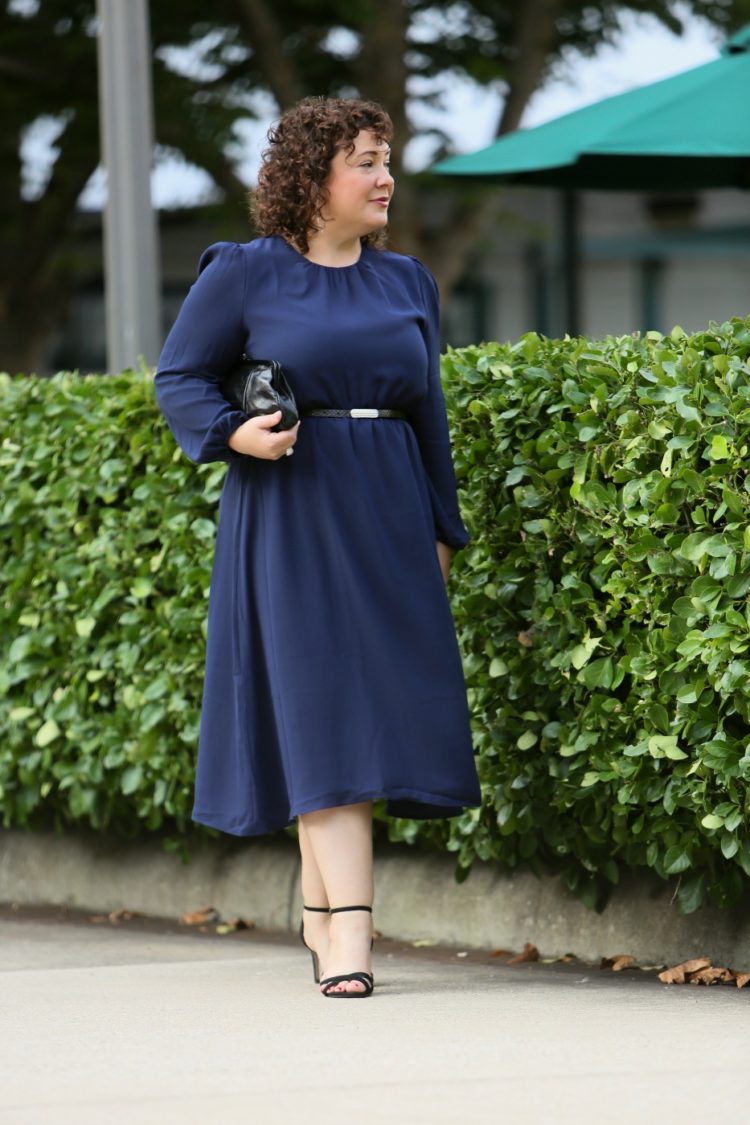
pixel 256 439
pixel 445 554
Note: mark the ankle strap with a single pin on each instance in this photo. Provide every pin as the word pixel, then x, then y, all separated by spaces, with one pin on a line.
pixel 338 909
pixel 320 909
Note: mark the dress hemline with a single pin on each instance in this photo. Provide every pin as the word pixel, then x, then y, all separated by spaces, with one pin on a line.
pixel 402 803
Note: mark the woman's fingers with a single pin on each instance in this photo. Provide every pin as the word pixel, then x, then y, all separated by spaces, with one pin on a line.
pixel 279 443
pixel 268 421
pixel 258 439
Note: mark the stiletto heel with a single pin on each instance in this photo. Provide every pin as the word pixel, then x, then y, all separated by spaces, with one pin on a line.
pixel 365 979
pixel 313 954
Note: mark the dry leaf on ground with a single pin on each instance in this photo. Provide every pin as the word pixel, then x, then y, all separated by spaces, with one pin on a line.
pixel 530 953
pixel 700 971
pixel 712 975
pixel 200 917
pixel 123 916
pixel 617 963
pixel 676 973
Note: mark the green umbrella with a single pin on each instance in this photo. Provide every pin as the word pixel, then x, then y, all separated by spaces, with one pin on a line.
pixel 688 132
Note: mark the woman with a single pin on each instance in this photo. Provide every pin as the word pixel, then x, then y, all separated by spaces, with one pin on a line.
pixel 333 676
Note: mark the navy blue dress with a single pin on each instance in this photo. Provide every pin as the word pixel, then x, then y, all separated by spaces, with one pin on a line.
pixel 332 669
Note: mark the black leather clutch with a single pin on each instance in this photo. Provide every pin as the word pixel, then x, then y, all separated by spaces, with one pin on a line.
pixel 259 386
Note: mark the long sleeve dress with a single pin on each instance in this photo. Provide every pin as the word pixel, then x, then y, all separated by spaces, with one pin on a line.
pixel 332 669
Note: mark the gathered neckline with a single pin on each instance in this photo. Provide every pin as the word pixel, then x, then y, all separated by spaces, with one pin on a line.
pixel 318 265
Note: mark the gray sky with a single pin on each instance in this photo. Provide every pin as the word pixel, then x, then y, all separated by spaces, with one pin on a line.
pixel 645 53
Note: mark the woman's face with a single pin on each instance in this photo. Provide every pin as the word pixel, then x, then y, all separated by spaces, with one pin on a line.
pixel 359 187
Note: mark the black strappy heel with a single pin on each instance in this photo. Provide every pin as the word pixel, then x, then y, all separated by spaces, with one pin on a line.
pixel 313 954
pixel 365 979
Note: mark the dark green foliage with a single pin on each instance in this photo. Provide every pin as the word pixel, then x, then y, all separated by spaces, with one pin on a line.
pixel 601 607
pixel 107 535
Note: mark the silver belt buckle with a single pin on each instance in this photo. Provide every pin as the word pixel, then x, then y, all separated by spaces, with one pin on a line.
pixel 364 412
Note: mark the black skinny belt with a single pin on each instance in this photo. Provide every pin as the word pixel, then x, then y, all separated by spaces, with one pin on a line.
pixel 356 412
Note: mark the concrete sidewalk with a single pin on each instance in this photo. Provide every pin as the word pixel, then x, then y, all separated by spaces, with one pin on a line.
pixel 135 1025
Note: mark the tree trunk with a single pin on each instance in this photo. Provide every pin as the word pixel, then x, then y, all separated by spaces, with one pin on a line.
pixel 33 288
pixel 263 31
pixel 24 332
pixel 472 219
pixel 382 75
pixel 535 37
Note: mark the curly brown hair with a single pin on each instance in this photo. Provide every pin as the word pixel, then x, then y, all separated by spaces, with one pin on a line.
pixel 291 190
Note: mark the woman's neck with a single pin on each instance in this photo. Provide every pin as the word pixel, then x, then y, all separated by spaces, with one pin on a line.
pixel 326 248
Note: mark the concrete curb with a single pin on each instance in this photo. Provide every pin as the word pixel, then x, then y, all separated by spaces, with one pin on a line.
pixel 416 897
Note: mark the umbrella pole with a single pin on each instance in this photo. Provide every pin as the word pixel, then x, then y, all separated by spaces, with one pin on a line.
pixel 570 261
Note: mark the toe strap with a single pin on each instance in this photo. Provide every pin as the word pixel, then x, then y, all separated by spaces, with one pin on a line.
pixel 362 978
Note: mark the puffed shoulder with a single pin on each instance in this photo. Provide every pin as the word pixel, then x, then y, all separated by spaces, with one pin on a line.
pixel 422 270
pixel 412 273
pixel 251 263
pixel 222 255
pixel 406 263
pixel 271 247
pixel 426 280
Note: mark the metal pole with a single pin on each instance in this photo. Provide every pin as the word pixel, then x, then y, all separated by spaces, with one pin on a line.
pixel 651 285
pixel 131 258
pixel 571 261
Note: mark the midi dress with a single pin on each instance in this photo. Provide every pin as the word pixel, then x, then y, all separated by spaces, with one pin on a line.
pixel 332 671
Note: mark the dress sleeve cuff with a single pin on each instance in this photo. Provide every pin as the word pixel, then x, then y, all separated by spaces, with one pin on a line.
pixel 215 446
pixel 449 527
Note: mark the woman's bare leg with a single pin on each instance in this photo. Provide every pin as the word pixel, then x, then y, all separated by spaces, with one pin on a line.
pixel 340 841
pixel 313 894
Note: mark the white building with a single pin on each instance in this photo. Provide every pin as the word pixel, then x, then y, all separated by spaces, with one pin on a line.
pixel 646 262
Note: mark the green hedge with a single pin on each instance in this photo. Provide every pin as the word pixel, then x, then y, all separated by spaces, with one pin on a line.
pixel 107 534
pixel 601 607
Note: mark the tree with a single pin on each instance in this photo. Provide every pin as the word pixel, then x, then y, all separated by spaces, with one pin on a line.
pixel 48 82
pixel 211 65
